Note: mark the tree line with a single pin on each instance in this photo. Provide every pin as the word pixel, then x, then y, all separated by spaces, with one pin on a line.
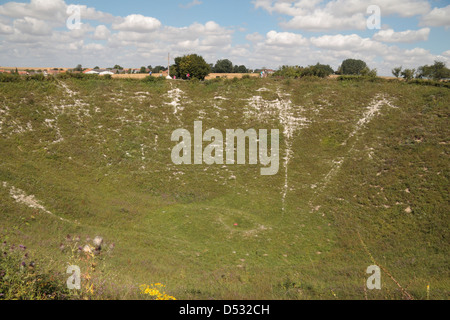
pixel 438 71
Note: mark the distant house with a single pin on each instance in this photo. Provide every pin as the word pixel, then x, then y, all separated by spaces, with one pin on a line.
pixel 54 72
pixel 91 72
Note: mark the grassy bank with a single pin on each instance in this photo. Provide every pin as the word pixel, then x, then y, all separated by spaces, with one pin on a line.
pixel 363 180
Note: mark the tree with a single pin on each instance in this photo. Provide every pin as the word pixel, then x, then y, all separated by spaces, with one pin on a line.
pixel 321 70
pixel 97 68
pixel 192 64
pixel 158 69
pixel 118 67
pixel 437 71
pixel 143 70
pixel 318 70
pixel 223 66
pixel 373 73
pixel 369 73
pixel 352 67
pixel 397 71
pixel 408 74
pixel 79 68
pixel 242 69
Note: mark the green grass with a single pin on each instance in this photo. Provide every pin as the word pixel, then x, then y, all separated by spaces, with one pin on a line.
pixel 112 173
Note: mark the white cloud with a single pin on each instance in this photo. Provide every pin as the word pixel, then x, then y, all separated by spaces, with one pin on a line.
pixel 6 29
pixel 101 33
pixel 40 9
pixel 38 37
pixel 32 26
pixel 285 39
pixel 321 20
pixel 407 36
pixel 351 42
pixel 191 4
pixel 254 37
pixel 315 15
pixel 438 17
pixel 137 23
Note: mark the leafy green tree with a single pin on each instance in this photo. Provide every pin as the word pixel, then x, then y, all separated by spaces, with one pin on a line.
pixel 192 64
pixel 118 67
pixel 322 70
pixel 373 73
pixel 79 68
pixel 242 69
pixel 369 73
pixel 352 67
pixel 158 69
pixel 143 70
pixel 318 70
pixel 397 71
pixel 437 71
pixel 223 66
pixel 408 74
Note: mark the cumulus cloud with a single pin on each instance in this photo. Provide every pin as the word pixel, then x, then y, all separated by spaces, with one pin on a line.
pixel 254 37
pixel 351 42
pixel 137 23
pixel 407 36
pixel 34 33
pixel 317 15
pixel 32 26
pixel 438 17
pixel 285 39
pixel 321 20
pixel 101 33
pixel 39 9
pixel 6 29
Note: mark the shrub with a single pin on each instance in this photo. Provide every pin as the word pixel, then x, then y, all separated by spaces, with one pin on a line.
pixel 354 78
pixel 21 279
pixel 8 77
pixel 153 79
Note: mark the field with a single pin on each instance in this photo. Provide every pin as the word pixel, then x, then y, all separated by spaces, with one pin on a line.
pixel 363 180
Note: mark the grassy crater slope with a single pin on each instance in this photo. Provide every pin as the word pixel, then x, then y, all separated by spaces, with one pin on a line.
pixel 363 180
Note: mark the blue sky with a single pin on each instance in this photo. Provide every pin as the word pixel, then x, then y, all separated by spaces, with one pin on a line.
pixel 256 33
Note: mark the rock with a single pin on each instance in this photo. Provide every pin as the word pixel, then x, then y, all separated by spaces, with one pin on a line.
pixel 98 241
